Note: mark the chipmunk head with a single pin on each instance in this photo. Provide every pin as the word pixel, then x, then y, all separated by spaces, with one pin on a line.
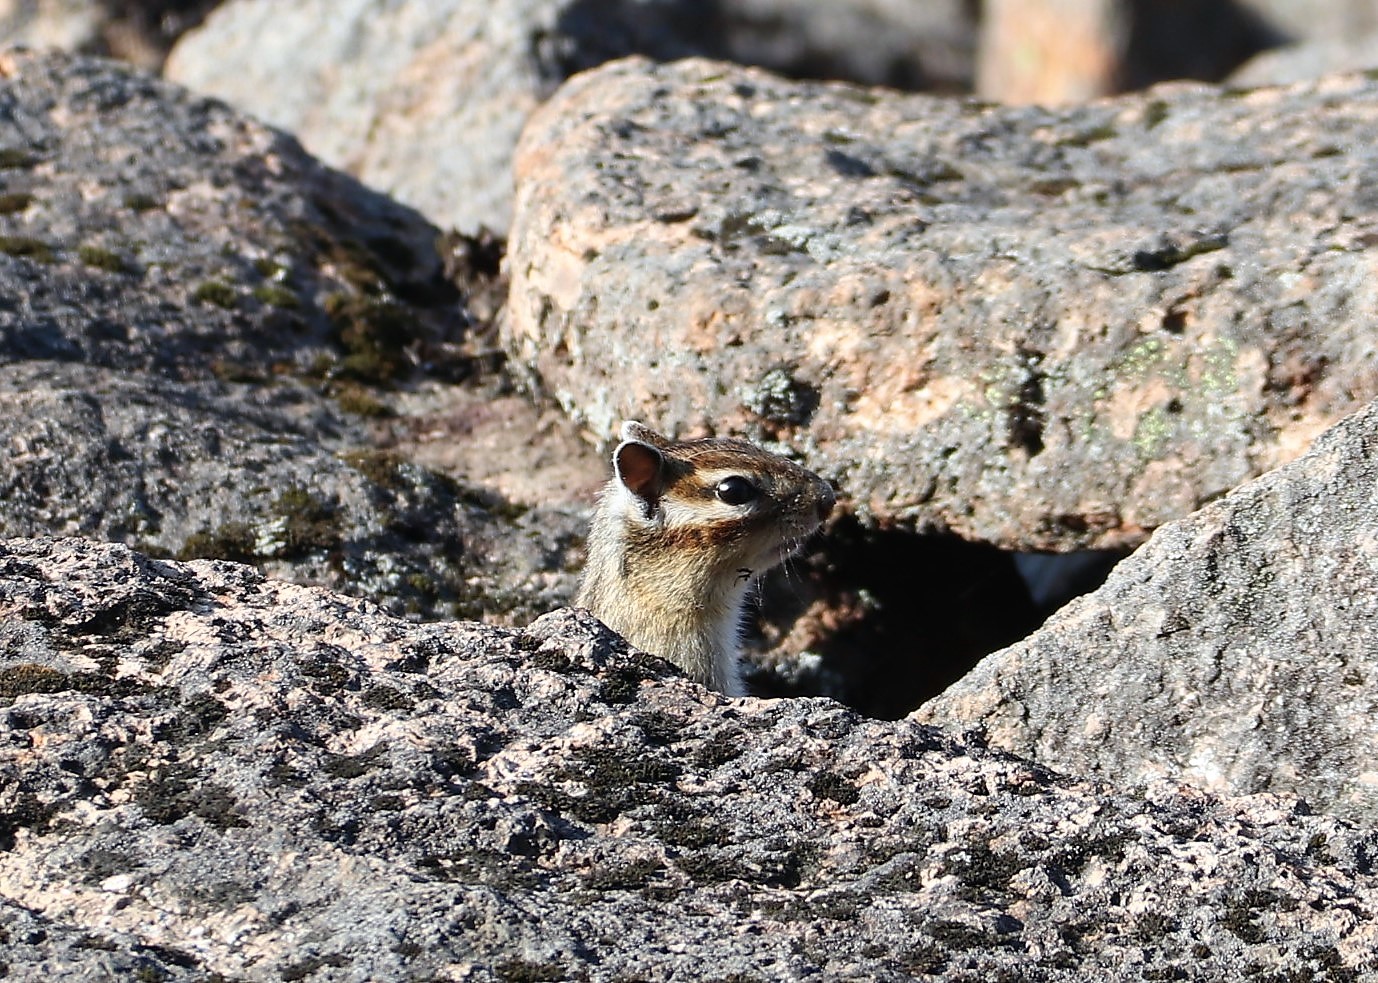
pixel 730 502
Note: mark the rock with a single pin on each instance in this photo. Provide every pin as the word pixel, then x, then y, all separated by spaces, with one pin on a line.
pixel 1309 60
pixel 200 338
pixel 1054 51
pixel 273 475
pixel 207 773
pixel 1042 330
pixel 67 24
pixel 440 90
pixel 139 32
pixel 1308 20
pixel 143 228
pixel 433 113
pixel 1059 51
pixel 1237 649
pixel 927 46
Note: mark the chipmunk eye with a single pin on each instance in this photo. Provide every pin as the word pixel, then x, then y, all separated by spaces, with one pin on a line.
pixel 736 490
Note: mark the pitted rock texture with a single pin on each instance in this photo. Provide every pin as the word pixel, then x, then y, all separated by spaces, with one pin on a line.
pixel 206 772
pixel 1042 330
pixel 1237 649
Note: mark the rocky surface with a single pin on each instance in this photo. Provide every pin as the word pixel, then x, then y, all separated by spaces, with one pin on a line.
pixel 437 92
pixel 1237 650
pixel 202 332
pixel 1309 60
pixel 203 771
pixel 1037 329
pixel 269 474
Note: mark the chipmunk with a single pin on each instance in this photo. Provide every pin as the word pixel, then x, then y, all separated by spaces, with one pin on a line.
pixel 682 531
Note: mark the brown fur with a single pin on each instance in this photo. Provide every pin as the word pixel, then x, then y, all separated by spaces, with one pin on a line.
pixel 672 581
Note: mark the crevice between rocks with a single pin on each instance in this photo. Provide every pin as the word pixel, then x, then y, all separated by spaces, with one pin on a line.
pixel 884 620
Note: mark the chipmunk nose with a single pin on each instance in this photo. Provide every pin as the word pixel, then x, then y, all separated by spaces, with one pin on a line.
pixel 827 498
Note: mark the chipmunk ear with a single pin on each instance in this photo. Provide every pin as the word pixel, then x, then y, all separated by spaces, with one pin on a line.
pixel 632 430
pixel 641 469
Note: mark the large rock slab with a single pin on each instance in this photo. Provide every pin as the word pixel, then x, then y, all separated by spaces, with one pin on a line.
pixel 142 227
pixel 1237 650
pixel 1043 330
pixel 424 99
pixel 200 338
pixel 207 773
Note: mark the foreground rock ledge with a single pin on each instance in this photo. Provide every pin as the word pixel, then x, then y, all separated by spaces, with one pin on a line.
pixel 203 771
pixel 1042 330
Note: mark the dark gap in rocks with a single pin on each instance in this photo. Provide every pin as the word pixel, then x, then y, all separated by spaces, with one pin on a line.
pixel 890 619
pixel 1228 34
pixel 144 31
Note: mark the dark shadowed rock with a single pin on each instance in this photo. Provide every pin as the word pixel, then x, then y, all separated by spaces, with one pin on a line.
pixel 1043 330
pixel 206 772
pixel 141 227
pixel 1237 649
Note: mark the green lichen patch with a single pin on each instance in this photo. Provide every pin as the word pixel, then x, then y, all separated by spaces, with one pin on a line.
pixel 832 786
pixel 12 202
pixel 140 201
pixel 479 865
pixel 360 401
pixel 16 158
pixel 374 333
pixel 629 876
pixel 229 541
pixel 306 968
pixel 527 971
pixel 309 523
pixel 25 811
pixel 382 467
pixel 387 698
pixel 29 677
pixel 1088 136
pixel 26 247
pixel 353 765
pixel 984 873
pixel 102 259
pixel 278 296
pixel 269 269
pixel 179 791
pixel 216 293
